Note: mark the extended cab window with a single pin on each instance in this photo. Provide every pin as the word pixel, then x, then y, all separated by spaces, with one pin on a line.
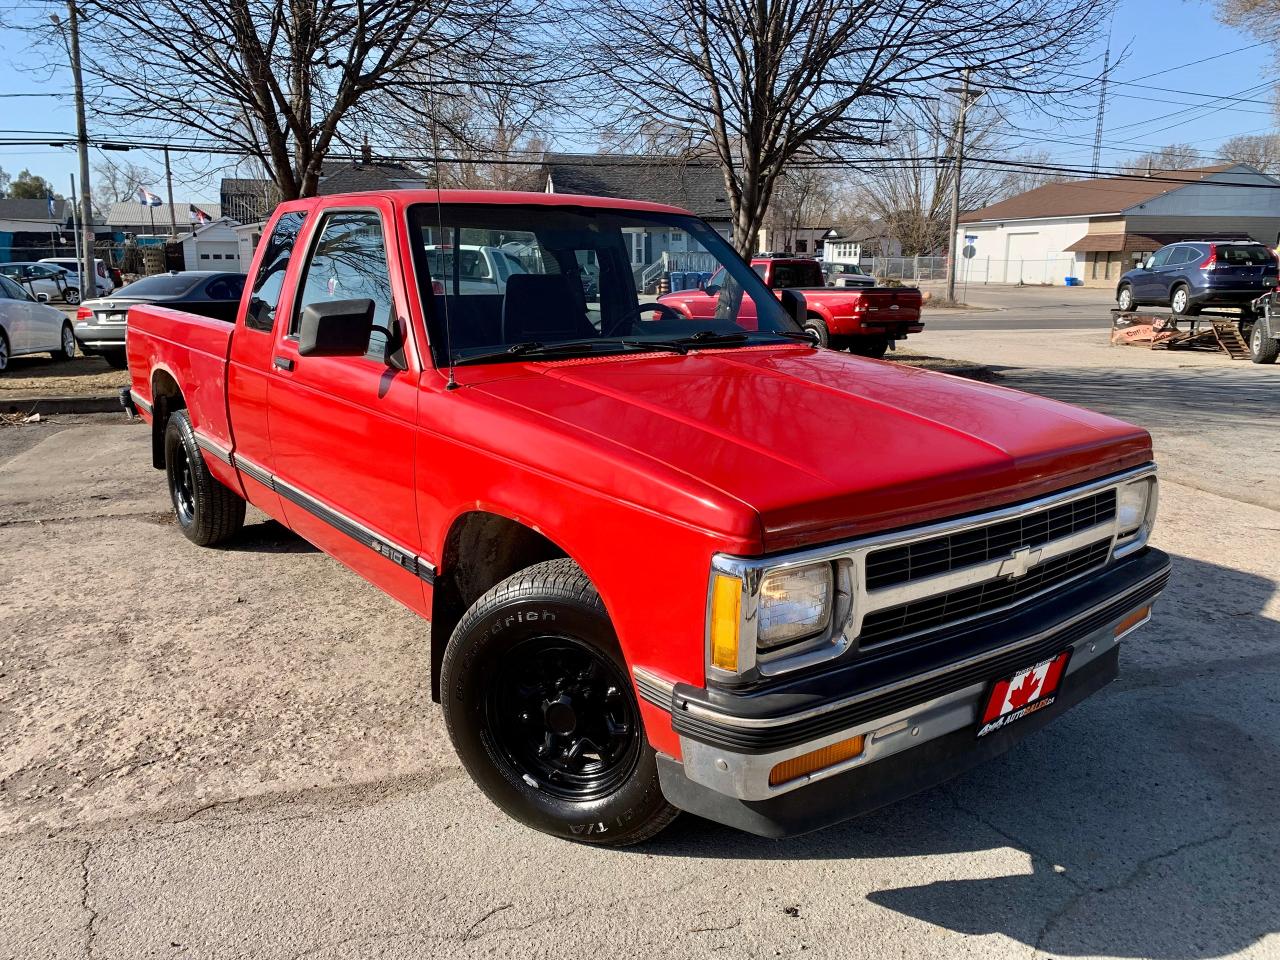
pixel 349 262
pixel 269 282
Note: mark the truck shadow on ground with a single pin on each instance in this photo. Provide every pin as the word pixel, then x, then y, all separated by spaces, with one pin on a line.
pixel 1145 817
pixel 268 536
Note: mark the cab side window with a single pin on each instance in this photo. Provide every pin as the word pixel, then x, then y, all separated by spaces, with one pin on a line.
pixel 269 282
pixel 349 262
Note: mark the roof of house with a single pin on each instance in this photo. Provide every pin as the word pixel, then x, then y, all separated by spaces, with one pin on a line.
pixel 35 210
pixel 1127 242
pixel 357 176
pixel 694 185
pixel 130 213
pixel 1108 195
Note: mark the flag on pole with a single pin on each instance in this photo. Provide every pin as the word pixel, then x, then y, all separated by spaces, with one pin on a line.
pixel 149 199
pixel 52 214
pixel 197 215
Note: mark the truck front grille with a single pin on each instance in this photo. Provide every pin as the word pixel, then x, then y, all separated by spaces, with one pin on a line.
pixel 892 623
pixel 926 558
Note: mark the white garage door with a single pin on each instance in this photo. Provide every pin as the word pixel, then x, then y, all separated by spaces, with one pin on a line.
pixel 1024 259
pixel 218 255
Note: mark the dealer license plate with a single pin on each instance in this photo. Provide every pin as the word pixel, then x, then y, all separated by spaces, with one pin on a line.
pixel 1029 690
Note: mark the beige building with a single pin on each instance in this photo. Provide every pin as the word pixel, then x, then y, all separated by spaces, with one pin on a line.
pixel 1097 229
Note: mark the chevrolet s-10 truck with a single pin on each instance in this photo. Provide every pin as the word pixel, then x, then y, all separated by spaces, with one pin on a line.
pixel 670 563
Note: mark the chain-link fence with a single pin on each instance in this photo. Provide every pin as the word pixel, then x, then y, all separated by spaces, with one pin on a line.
pixel 1052 269
pixel 911 269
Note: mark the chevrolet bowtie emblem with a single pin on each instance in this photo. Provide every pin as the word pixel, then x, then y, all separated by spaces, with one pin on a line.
pixel 1022 560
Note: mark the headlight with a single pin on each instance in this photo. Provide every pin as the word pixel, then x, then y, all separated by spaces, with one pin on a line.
pixel 794 604
pixel 1135 514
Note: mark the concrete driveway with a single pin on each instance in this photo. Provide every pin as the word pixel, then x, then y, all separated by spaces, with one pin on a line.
pixel 232 753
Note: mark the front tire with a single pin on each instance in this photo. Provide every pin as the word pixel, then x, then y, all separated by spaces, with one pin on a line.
pixel 66 346
pixel 4 352
pixel 818 331
pixel 542 713
pixel 1262 349
pixel 208 513
pixel 1180 301
pixel 1124 298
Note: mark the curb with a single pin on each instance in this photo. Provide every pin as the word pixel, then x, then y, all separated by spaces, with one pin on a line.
pixel 52 405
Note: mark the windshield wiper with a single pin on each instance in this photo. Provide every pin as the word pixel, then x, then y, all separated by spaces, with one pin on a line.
pixel 681 345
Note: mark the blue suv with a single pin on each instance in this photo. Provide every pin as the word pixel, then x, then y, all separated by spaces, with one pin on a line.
pixel 1191 275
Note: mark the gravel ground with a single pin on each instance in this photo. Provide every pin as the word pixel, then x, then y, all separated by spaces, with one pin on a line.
pixel 41 376
pixel 232 753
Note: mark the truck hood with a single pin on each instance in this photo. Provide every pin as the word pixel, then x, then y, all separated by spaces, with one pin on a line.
pixel 819 445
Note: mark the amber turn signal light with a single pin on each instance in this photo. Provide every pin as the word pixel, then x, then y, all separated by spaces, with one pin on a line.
pixel 808 763
pixel 726 611
pixel 1132 620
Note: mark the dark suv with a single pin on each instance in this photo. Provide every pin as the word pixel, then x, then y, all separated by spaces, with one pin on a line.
pixel 1194 274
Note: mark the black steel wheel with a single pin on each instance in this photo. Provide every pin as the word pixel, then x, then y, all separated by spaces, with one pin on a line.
pixel 559 712
pixel 207 512
pixel 540 708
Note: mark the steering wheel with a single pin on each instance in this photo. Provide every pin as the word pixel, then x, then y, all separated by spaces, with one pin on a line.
pixel 671 313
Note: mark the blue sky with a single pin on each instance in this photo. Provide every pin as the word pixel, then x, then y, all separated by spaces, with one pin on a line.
pixel 1160 35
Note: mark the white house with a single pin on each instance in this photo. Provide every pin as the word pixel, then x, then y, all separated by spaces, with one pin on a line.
pixel 214 246
pixel 1097 229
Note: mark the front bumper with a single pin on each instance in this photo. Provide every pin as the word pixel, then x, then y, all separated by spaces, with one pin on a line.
pixel 919 729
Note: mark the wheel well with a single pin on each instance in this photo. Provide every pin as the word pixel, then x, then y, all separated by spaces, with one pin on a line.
pixel 165 398
pixel 481 550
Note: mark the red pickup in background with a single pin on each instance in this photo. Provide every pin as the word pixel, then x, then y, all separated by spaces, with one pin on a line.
pixel 863 320
pixel 669 563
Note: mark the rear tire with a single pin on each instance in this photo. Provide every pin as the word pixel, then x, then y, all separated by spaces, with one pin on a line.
pixel 1262 349
pixel 4 352
pixel 540 707
pixel 71 296
pixel 208 513
pixel 116 359
pixel 67 345
pixel 873 347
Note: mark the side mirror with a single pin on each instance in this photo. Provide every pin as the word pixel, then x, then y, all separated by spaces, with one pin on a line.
pixel 794 303
pixel 712 290
pixel 42 298
pixel 339 328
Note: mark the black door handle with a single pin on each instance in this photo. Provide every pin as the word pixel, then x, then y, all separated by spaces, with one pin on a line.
pixel 284 363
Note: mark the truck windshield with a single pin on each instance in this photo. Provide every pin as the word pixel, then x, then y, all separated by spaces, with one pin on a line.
pixel 518 280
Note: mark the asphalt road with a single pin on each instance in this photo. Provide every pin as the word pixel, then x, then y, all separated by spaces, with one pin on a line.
pixel 1000 307
pixel 232 753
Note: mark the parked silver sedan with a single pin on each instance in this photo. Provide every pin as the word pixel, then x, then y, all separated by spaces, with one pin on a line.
pixel 28 325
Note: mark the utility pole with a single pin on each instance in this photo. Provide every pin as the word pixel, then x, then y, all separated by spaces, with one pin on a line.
pixel 168 179
pixel 953 248
pixel 88 275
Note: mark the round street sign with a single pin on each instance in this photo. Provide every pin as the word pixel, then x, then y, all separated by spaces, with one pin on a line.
pixel 969 251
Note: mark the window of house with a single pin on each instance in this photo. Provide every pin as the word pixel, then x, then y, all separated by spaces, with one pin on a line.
pixel 269 281
pixel 802 246
pixel 349 262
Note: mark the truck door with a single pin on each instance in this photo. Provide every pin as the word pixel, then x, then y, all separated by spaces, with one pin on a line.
pixel 343 427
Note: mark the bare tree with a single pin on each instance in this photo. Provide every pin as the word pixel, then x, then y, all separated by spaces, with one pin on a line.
pixel 1262 152
pixel 1174 156
pixel 763 84
pixel 116 182
pixel 287 82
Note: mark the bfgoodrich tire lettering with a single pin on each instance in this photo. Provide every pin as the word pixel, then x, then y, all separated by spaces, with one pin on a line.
pixel 532 672
pixel 208 513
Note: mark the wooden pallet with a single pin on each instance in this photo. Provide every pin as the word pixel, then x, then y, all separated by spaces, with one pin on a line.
pixel 1167 332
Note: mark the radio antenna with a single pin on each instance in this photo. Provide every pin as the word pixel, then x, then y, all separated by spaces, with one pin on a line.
pixel 435 160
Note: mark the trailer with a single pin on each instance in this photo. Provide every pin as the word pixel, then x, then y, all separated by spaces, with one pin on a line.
pixel 1249 334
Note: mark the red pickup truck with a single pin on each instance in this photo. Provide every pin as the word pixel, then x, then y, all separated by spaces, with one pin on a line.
pixel 668 563
pixel 862 320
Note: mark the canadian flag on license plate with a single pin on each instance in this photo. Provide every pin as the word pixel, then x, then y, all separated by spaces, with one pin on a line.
pixel 1022 694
